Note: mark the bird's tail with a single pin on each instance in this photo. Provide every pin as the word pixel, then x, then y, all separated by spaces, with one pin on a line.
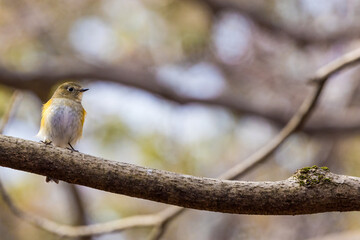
pixel 49 179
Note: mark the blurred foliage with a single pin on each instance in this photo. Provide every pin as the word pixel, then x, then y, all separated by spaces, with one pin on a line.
pixel 5 94
pixel 191 21
pixel 111 130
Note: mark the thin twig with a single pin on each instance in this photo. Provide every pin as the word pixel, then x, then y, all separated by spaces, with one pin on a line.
pixel 163 218
pixel 168 214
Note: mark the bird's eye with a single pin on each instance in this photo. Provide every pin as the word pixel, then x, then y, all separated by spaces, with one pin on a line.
pixel 70 89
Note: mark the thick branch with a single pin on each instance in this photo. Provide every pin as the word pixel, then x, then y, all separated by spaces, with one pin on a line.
pixel 283 197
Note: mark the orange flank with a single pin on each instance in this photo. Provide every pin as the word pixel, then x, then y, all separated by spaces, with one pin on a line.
pixel 82 121
pixel 44 112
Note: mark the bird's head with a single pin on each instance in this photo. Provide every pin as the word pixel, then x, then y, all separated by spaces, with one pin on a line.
pixel 70 90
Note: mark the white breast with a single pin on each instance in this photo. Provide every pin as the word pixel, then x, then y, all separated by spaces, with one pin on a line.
pixel 62 123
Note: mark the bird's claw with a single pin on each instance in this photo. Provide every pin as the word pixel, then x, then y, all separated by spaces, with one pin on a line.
pixel 71 148
pixel 46 142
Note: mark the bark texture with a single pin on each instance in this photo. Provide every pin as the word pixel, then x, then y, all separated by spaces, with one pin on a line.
pixel 311 190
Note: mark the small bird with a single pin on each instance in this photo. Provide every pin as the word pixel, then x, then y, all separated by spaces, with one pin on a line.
pixel 63 118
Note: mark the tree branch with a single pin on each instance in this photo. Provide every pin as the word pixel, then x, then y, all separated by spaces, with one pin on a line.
pixel 240 197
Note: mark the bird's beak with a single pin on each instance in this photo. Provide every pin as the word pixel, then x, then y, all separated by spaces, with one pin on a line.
pixel 84 89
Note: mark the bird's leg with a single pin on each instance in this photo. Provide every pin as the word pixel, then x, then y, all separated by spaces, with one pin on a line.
pixel 72 148
pixel 46 142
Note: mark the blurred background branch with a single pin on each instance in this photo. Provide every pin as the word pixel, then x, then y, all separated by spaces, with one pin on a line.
pixel 40 82
pixel 273 25
pixel 79 231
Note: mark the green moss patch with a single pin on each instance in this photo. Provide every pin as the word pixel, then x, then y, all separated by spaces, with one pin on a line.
pixel 311 176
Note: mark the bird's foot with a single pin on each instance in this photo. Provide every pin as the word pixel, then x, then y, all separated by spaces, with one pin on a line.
pixel 72 149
